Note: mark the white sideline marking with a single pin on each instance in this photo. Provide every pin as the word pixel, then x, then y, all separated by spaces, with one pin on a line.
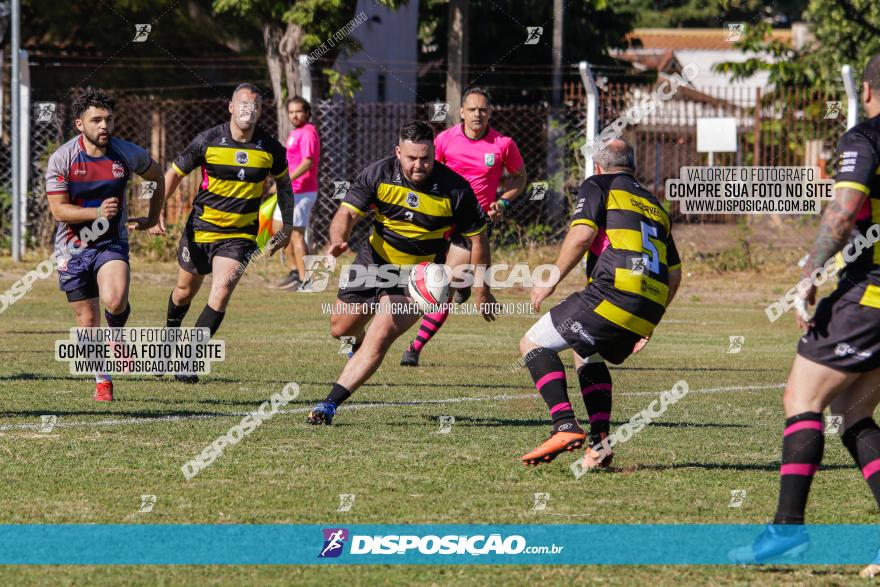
pixel 455 400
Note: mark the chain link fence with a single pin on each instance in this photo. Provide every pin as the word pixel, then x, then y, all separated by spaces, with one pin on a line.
pixel 781 128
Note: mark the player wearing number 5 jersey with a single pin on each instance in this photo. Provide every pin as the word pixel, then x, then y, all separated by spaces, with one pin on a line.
pixel 635 277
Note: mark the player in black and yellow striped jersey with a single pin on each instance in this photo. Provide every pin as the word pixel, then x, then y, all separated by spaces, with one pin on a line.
pixel 636 274
pixel 220 236
pixel 837 365
pixel 418 203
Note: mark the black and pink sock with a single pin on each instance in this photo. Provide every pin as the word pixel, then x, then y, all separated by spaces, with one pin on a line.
pixel 595 383
pixel 431 323
pixel 802 445
pixel 862 440
pixel 548 373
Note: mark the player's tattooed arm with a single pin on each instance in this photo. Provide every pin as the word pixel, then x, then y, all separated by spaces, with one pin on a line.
pixel 837 223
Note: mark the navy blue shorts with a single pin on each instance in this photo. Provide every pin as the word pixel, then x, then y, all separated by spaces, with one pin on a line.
pixel 78 277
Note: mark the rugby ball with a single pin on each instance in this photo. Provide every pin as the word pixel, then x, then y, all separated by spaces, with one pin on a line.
pixel 429 285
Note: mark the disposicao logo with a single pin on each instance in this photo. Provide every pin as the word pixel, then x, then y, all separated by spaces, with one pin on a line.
pixel 334 540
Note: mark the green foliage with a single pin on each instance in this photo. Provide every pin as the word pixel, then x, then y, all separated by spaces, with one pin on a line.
pixel 497 30
pixel 319 21
pixel 713 13
pixel 737 257
pixel 519 236
pixel 846 32
pixel 345 85
pixel 5 216
pixel 163 248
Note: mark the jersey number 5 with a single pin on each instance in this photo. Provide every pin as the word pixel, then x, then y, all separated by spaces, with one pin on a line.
pixel 651 256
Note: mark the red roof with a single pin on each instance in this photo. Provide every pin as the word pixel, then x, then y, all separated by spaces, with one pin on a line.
pixel 714 38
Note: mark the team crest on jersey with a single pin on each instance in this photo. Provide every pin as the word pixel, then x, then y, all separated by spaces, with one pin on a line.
pixel 118 170
pixel 241 157
pixel 412 200
pixel 489 158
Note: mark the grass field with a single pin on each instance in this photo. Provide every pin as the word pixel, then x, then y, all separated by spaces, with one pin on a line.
pixel 98 461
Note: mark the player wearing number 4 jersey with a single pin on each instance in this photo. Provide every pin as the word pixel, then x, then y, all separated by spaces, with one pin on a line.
pixel 634 279
pixel 220 235
pixel 838 359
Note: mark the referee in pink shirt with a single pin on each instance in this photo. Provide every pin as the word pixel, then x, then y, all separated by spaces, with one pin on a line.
pixel 481 155
pixel 303 153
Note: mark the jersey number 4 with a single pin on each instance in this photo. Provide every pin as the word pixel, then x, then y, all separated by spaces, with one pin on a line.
pixel 650 255
pixel 241 174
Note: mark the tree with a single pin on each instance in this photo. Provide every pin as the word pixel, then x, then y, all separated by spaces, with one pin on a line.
pixel 714 13
pixel 497 54
pixel 291 29
pixel 844 31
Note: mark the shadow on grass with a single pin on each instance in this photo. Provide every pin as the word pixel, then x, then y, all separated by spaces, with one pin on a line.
pixel 37 332
pixel 774 467
pixel 469 421
pixel 116 378
pixel 157 415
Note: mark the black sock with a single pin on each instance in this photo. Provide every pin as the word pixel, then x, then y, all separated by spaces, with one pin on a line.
pixel 802 447
pixel 548 373
pixel 338 394
pixel 862 440
pixel 210 318
pixel 595 382
pixel 175 314
pixel 118 320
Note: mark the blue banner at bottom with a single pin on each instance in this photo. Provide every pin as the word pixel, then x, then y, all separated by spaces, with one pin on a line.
pixel 81 544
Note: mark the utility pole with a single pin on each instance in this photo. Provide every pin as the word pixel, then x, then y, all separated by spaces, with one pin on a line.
pixel 558 26
pixel 456 56
pixel 15 121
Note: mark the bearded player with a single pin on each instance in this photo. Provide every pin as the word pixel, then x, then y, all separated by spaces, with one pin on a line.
pixel 481 155
pixel 635 278
pixel 418 203
pixel 86 179
pixel 838 359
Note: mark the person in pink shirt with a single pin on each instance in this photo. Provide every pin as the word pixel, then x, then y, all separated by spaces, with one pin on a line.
pixel 481 155
pixel 303 153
